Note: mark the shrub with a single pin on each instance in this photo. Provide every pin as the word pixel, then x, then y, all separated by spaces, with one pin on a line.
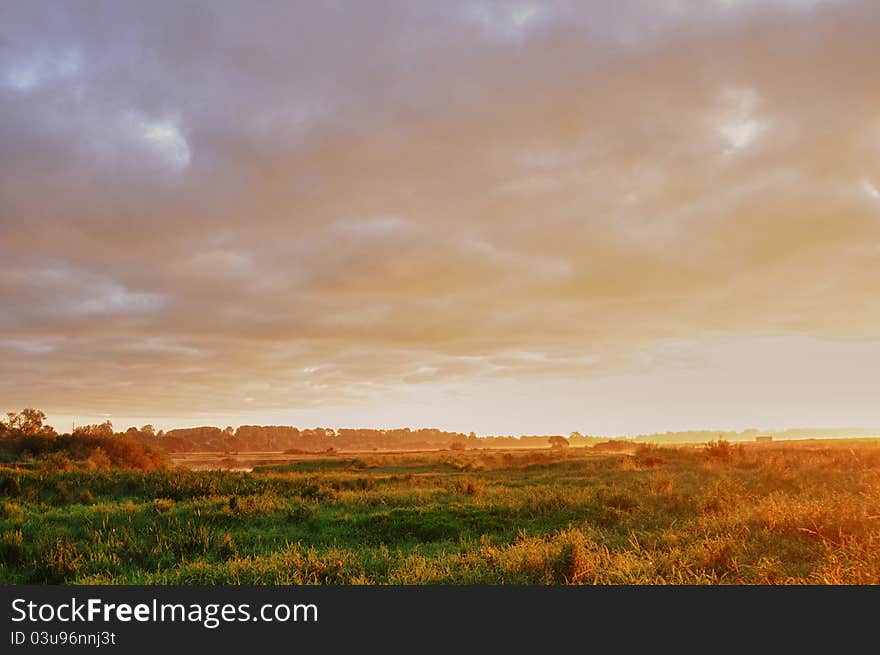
pixel 649 456
pixel 722 450
pixel 62 452
pixel 99 459
pixel 122 452
pixel 58 461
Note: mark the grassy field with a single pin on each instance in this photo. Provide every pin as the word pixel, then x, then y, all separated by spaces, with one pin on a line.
pixel 768 514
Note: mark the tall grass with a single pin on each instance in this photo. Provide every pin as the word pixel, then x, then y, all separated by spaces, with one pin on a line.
pixel 775 514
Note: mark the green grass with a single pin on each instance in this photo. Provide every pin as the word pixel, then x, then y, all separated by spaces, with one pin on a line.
pixel 758 514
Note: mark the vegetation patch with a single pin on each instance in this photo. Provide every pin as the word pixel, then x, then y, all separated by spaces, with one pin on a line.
pixel 713 514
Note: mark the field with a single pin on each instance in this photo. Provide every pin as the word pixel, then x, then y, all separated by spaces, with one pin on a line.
pixel 792 513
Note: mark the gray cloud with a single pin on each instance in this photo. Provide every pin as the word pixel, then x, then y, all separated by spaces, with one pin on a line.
pixel 323 203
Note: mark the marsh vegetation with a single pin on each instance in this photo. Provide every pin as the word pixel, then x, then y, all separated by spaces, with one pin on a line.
pixel 805 512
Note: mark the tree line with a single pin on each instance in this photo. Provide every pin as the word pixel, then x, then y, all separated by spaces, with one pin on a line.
pixel 30 423
pixel 25 435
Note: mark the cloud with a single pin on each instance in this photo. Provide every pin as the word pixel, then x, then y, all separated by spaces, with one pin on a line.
pixel 30 72
pixel 505 20
pixel 164 138
pixel 334 205
pixel 871 189
pixel 740 127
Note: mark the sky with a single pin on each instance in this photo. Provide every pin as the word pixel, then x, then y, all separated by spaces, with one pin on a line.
pixel 507 217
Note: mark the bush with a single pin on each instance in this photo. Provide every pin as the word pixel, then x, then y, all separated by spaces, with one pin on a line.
pixel 100 460
pixel 723 450
pixel 58 461
pixel 97 451
pixel 28 445
pixel 122 452
pixel 649 456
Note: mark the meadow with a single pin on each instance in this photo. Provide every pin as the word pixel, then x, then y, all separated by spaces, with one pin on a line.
pixel 780 513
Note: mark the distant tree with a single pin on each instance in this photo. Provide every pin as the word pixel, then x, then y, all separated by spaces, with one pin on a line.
pixel 104 429
pixel 576 435
pixel 229 431
pixel 557 442
pixel 28 421
pixel 148 430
